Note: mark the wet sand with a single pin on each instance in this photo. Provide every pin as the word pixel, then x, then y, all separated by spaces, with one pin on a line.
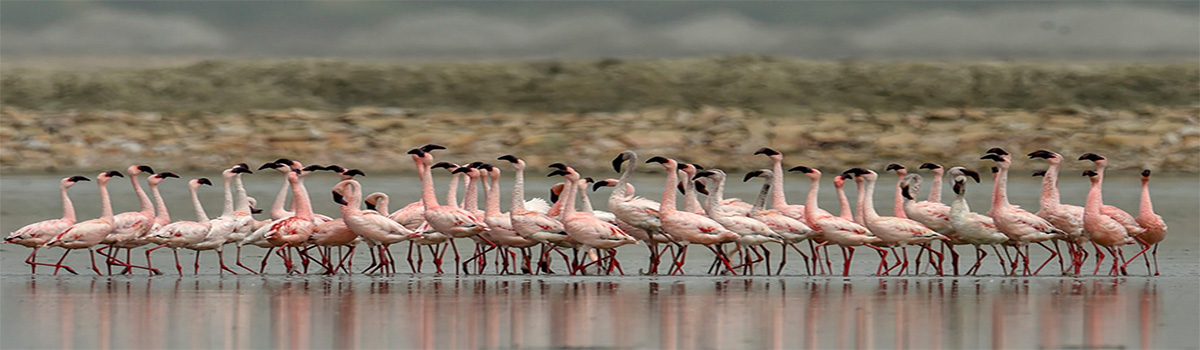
pixel 428 311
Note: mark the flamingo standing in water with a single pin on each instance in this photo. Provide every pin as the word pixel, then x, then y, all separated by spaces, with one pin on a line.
pixel 932 212
pixel 1101 228
pixel 370 225
pixel 837 229
pixel 839 183
pixel 894 229
pixel 37 234
pixel 1065 217
pixel 1118 214
pixel 221 227
pixel 898 200
pixel 334 233
pixel 130 227
pixel 532 224
pixel 625 203
pixel 500 226
pixel 972 228
pixel 244 222
pixel 1022 227
pixel 779 200
pixel 293 231
pixel 87 234
pixel 181 234
pixel 449 220
pixel 161 216
pixel 791 230
pixel 588 230
pixel 1156 229
pixel 690 227
pixel 751 232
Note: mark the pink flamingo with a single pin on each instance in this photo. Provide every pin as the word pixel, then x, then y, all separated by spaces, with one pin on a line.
pixel 37 234
pixel 293 231
pixel 584 227
pixel 898 201
pixel 1101 228
pixel 221 227
pixel 500 226
pixel 932 212
pixel 532 224
pixel 130 227
pixel 751 232
pixel 278 212
pixel 1118 214
pixel 87 234
pixel 1156 229
pixel 334 233
pixel 894 229
pixel 244 222
pixel 1065 217
pixel 837 229
pixel 972 228
pixel 452 221
pixel 690 227
pixel 839 183
pixel 779 200
pixel 372 226
pixel 637 216
pixel 1022 227
pixel 181 234
pixel 791 230
pixel 161 217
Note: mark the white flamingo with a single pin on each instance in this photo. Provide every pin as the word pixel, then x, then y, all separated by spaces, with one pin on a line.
pixel 37 234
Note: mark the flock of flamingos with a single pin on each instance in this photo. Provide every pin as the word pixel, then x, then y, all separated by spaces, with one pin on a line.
pixel 559 226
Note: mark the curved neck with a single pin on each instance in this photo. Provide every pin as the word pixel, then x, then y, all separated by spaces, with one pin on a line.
pixel 493 198
pixel 69 209
pixel 201 217
pixel 471 197
pixel 778 200
pixel 1050 197
pixel 668 197
pixel 277 211
pixel 1146 207
pixel 243 201
pixel 898 202
pixel 518 193
pixel 869 202
pixel 143 199
pixel 428 198
pixel 227 210
pixel 353 199
pixel 810 202
pixel 619 190
pixel 844 204
pixel 162 217
pixel 300 203
pixel 935 191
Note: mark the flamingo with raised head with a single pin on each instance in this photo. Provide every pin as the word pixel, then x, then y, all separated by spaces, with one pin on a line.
pixel 1118 214
pixel 181 234
pixel 293 231
pixel 500 226
pixel 129 227
pixel 898 201
pixel 1156 228
pixel 791 230
pixel 87 234
pixel 1065 217
pixel 1102 229
pixel 161 217
pixel 1022 227
pixel 934 215
pixel 972 228
pixel 370 225
pixel 447 219
pixel 751 232
pixel 690 227
pixel 531 224
pixel 636 215
pixel 894 229
pixel 837 229
pixel 222 227
pixel 334 233
pixel 587 229
pixel 37 234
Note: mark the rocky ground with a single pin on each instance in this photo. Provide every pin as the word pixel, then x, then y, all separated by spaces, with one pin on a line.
pixel 376 139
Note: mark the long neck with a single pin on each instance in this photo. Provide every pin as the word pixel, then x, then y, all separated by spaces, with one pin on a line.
pixel 227 210
pixel 471 200
pixel 778 200
pixel 587 203
pixel 690 203
pixel 1146 206
pixel 668 197
pixel 1000 195
pixel 452 191
pixel 493 198
pixel 1050 197
pixel 860 203
pixel 714 199
pixel 243 201
pixel 557 208
pixel 69 209
pixel 1095 199
pixel 518 193
pixel 935 191
pixel 869 202
pixel 844 204
pixel 277 211
pixel 761 201
pixel 619 190
pixel 106 211
pixel 810 202
pixel 143 199
pixel 201 217
pixel 898 202
pixel 301 204
pixel 959 206
pixel 160 207
pixel 428 198
pixel 569 206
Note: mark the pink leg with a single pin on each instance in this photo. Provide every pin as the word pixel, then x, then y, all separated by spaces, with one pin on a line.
pixel 59 264
pixel 1054 253
pixel 221 260
pixel 1099 258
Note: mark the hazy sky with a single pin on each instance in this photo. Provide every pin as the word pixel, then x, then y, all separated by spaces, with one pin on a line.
pixel 1134 30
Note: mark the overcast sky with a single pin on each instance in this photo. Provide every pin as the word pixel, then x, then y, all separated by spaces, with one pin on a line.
pixel 1138 30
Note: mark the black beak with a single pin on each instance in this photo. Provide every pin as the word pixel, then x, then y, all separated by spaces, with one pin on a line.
pixel 1044 154
pixel 461 170
pixel 241 170
pixel 167 174
pixel 114 173
pixel 354 172
pixel 269 166
pixel 243 165
pixel 802 169
pixel 894 166
pixel 444 165
pixel 929 166
pixel 1091 156
pixel 598 185
pixel 558 173
pixel 857 171
pixel 701 188
pixel 204 181
pixel 559 166
pixel 993 157
pixel 370 206
pixel 416 151
pixel 697 166
pixel 998 150
pixel 145 168
pixel 431 147
pixel 847 176
pixel 255 211
pixel 78 178
pixel 312 168
pixel 283 161
pixel 337 198
pixel 766 151
pixel 335 168
pixel 616 162
pixel 1039 173
pixel 1089 173
pixel 752 174
pixel 508 157
pixel 995 170
pixel 703 174
pixel 1146 173
pixel 657 159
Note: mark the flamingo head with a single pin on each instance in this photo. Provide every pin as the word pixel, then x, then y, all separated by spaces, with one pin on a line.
pixel 69 181
pixel 604 183
pixel 252 202
pixel 135 170
pixel 715 174
pixel 1096 158
pixel 1039 173
pixel 516 162
pixel 771 153
pixel 900 169
pixel 1145 175
pixel 105 176
pixel 763 173
pixel 861 174
pixel 448 166
pixel 1053 158
pixel 812 173
pixel 559 166
pixel 158 178
pixel 666 162
pixel 1092 175
pixel 700 187
pixel 622 158
pixel 960 171
pixel 935 168
pixel 840 180
pixel 556 191
pixel 1001 159
pixel 196 183
pixel 997 151
pixel 910 185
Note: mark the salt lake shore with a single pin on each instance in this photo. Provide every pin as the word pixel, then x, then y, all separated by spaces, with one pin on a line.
pixel 376 139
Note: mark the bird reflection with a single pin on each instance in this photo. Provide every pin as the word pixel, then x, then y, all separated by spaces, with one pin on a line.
pixel 523 312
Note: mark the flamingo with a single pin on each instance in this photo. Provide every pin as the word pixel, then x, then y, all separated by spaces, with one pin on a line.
pixel 223 226
pixel 691 203
pixel 1156 229
pixel 500 226
pixel 87 234
pixel 278 212
pixel 751 232
pixel 538 226
pixel 334 233
pixel 898 201
pixel 637 233
pixel 161 217
pixel 37 234
pixel 1118 214
pixel 244 222
pixel 837 229
pixel 447 219
pixel 181 234
pixel 588 230
pixel 685 226
pixel 293 231
pixel 1022 227
pixel 372 226
pixel 894 229
pixel 130 227
pixel 934 215
pixel 791 230
pixel 1065 217
pixel 779 199
pixel 972 228
pixel 636 215
pixel 1101 228
pixel 839 183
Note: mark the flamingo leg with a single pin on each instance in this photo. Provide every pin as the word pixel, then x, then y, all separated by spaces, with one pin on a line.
pixel 1145 247
pixel 1003 267
pixel 221 260
pixel 263 266
pixel 953 256
pixel 239 261
pixel 59 264
pixel 849 253
pixel 682 260
pixel 128 266
pixel 882 259
pixel 1099 258
pixel 1054 253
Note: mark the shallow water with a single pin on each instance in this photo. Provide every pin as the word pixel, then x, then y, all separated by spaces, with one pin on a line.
pixel 427 311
